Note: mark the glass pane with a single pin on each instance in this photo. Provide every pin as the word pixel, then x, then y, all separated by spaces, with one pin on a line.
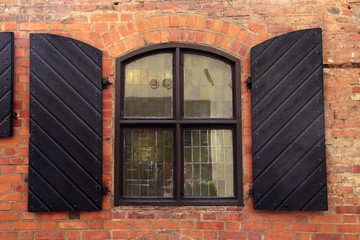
pixel 207 87
pixel 208 167
pixel 148 163
pixel 148 87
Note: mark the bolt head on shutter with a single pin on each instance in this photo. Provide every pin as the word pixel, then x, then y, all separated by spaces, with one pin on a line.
pixel 289 164
pixel 65 149
pixel 6 83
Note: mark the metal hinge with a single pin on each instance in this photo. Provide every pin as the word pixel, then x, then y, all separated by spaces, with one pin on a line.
pixel 104 190
pixel 251 192
pixel 248 83
pixel 105 83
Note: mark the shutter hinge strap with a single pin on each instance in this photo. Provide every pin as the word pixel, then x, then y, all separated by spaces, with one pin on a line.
pixel 105 83
pixel 248 83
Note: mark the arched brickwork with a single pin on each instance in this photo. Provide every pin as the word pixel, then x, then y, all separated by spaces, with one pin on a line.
pixel 139 32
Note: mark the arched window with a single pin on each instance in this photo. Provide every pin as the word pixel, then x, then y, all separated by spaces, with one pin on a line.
pixel 178 127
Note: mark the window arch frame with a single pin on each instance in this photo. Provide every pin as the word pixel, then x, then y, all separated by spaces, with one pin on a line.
pixel 235 123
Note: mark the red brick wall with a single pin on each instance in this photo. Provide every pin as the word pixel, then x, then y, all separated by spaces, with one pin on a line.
pixel 233 26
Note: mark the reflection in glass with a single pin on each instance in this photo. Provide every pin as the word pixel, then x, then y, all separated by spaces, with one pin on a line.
pixel 208 163
pixel 207 87
pixel 148 87
pixel 148 163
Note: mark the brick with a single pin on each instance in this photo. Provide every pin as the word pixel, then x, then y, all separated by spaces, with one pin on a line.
pixel 344 133
pixel 96 225
pixel 210 225
pixel 7 216
pixel 56 26
pixel 96 215
pixel 278 217
pixel 327 237
pixel 237 12
pixel 326 218
pixel 49 225
pixel 8 26
pixel 279 227
pixel 9 235
pixel 104 17
pixel 79 27
pixel 232 235
pixel 257 28
pixel 5 206
pixel 279 29
pixel 209 216
pixel 52 216
pixel 73 225
pixel 26 225
pixel 164 224
pixel 136 234
pixel 73 235
pixel 232 216
pixel 277 236
pixel 49 235
pixel 119 224
pixel 33 26
pixel 349 218
pixel 96 235
pixel 256 226
pixel 348 228
pixel 304 227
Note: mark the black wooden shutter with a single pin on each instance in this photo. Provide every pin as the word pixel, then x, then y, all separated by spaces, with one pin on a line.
pixel 6 83
pixel 289 171
pixel 65 158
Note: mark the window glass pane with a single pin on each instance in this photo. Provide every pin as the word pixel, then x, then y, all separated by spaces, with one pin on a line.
pixel 208 163
pixel 148 87
pixel 207 87
pixel 148 163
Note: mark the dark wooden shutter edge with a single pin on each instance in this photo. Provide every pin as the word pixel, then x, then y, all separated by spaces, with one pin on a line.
pixel 6 123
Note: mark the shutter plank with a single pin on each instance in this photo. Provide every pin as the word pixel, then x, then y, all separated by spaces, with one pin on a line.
pixel 6 83
pixel 65 166
pixel 289 169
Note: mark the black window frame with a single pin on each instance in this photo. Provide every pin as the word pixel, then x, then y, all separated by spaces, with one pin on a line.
pixel 177 123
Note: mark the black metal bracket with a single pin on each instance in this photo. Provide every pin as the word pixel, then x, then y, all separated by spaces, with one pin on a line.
pixel 14 115
pixel 104 190
pixel 251 192
pixel 248 83
pixel 105 83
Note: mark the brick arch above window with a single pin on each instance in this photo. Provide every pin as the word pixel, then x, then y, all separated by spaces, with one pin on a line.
pixel 143 31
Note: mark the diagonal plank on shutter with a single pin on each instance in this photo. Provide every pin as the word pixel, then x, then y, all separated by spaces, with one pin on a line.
pixel 6 82
pixel 289 171
pixel 65 159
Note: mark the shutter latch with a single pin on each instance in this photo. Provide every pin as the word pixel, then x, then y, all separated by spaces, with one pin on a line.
pixel 248 83
pixel 14 115
pixel 105 83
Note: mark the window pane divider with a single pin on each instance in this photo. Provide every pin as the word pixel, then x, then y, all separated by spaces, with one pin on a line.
pixel 174 122
pixel 178 163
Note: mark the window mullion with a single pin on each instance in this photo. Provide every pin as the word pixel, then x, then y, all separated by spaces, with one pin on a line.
pixel 178 151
